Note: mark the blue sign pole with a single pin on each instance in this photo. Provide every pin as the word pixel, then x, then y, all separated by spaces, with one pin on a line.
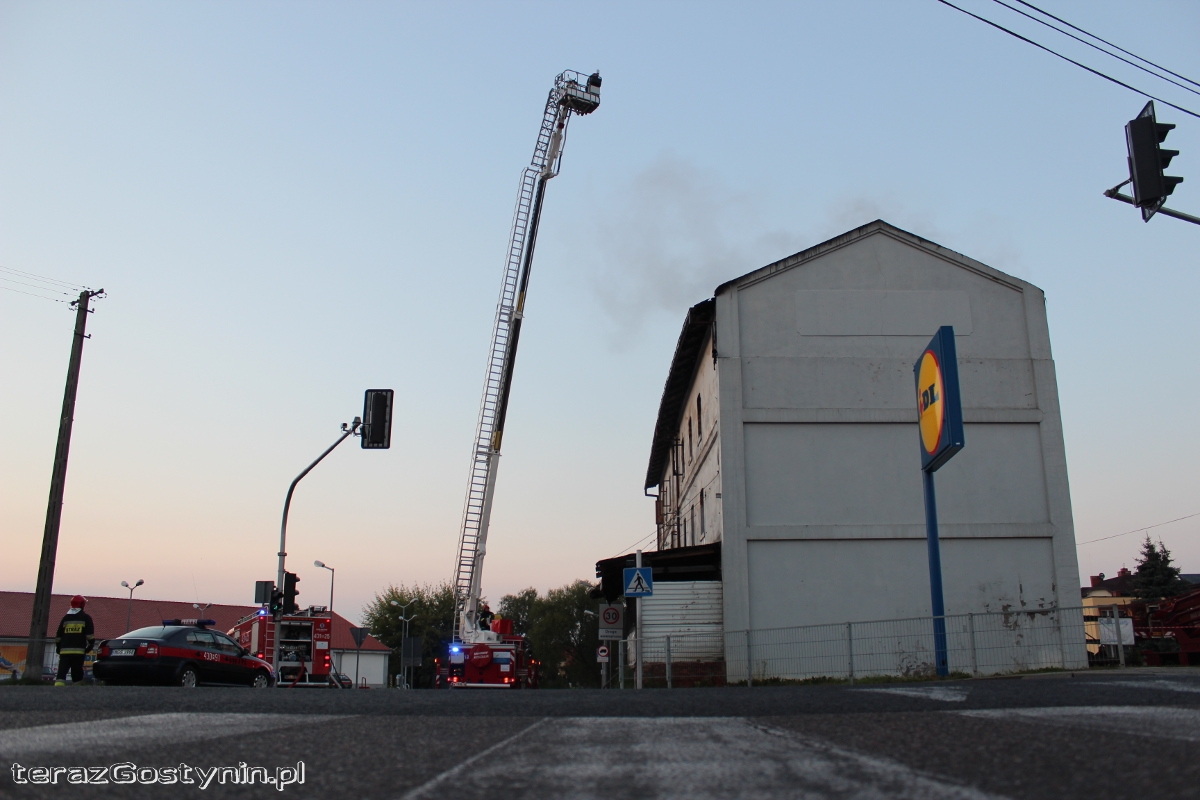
pixel 942 660
pixel 940 429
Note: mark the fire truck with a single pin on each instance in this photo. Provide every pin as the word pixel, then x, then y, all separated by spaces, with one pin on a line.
pixel 478 655
pixel 304 657
pixel 505 663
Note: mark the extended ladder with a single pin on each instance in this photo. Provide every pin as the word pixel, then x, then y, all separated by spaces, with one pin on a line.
pixel 572 93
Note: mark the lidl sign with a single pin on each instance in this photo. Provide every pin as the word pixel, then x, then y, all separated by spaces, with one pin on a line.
pixel 939 406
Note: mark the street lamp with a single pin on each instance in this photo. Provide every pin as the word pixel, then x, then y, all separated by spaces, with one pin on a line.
pixel 129 610
pixel 322 565
pixel 404 638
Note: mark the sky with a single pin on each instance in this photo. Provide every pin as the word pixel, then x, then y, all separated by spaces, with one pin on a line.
pixel 289 203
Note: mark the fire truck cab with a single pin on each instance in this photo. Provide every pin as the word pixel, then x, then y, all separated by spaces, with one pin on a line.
pixel 305 637
pixel 501 662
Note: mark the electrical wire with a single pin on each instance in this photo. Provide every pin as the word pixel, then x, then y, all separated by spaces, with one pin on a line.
pixel 42 278
pixel 34 286
pixel 1096 47
pixel 31 294
pixel 1071 60
pixel 1137 530
pixel 1110 44
pixel 625 550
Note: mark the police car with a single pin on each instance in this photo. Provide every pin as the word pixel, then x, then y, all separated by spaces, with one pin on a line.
pixel 180 652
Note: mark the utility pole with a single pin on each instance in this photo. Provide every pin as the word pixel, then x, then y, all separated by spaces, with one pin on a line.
pixel 36 652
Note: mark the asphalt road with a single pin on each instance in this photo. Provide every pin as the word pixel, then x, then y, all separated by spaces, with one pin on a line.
pixel 1114 735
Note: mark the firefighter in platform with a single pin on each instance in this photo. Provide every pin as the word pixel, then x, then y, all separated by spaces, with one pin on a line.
pixel 73 641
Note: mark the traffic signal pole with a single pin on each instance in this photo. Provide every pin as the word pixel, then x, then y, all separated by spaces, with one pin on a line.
pixel 40 620
pixel 1115 194
pixel 348 430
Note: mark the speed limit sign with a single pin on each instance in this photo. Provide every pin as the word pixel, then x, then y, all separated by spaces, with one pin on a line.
pixel 602 654
pixel 612 621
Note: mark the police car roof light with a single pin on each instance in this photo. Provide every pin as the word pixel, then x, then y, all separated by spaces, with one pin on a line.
pixel 198 623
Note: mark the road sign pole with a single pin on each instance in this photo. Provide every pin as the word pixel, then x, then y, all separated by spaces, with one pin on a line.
pixel 935 576
pixel 638 642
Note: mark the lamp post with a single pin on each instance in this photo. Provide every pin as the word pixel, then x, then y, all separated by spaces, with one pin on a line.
pixel 404 637
pixel 129 609
pixel 323 565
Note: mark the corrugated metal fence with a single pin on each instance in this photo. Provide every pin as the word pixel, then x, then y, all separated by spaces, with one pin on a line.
pixel 977 644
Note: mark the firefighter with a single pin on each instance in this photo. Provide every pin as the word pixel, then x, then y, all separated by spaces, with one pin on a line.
pixel 485 617
pixel 73 641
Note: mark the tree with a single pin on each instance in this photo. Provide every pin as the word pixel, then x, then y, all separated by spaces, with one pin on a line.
pixel 563 638
pixel 434 623
pixel 1155 578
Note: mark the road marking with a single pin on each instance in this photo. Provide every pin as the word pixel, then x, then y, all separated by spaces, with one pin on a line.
pixel 677 757
pixel 1157 722
pixel 119 732
pixel 946 694
pixel 1161 683
pixel 454 771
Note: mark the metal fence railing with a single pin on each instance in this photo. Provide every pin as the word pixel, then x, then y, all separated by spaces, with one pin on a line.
pixel 977 644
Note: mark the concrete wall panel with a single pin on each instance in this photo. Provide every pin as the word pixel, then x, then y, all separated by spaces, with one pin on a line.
pixel 869 474
pixel 815 582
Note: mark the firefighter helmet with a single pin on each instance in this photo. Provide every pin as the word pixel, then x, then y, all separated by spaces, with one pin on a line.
pixel 78 601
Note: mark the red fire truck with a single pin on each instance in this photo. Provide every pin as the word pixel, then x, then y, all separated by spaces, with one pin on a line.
pixel 304 657
pixel 502 662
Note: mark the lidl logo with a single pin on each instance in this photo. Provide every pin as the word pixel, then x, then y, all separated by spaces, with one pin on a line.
pixel 930 401
pixel 939 405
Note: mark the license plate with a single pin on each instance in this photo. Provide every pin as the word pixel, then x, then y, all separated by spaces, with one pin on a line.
pixel 124 652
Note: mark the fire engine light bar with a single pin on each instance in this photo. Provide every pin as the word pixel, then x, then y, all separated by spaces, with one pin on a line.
pixel 454 650
pixel 262 612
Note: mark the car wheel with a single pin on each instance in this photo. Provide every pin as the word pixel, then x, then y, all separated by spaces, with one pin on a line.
pixel 188 678
pixel 261 681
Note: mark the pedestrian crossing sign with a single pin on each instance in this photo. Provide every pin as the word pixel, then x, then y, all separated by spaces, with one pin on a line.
pixel 638 582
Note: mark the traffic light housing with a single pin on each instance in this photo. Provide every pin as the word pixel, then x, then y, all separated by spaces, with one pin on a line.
pixel 276 602
pixel 1147 160
pixel 290 579
pixel 377 419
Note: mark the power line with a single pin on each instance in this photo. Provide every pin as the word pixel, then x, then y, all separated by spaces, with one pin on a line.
pixel 31 294
pixel 34 286
pixel 625 550
pixel 1096 47
pixel 1110 44
pixel 1137 530
pixel 75 287
pixel 1070 60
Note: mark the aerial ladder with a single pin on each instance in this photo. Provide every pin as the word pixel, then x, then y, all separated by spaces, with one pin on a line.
pixel 573 93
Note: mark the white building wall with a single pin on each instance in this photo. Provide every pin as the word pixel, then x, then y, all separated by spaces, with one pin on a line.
pixel 823 515
pixel 371 664
pixel 699 432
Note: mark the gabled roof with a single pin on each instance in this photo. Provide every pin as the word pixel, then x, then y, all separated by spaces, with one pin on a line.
pixel 701 316
pixel 686 360
pixel 108 614
pixel 862 232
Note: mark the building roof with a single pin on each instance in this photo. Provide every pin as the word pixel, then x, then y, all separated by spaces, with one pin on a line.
pixel 108 613
pixel 688 353
pixel 701 316
pixel 701 562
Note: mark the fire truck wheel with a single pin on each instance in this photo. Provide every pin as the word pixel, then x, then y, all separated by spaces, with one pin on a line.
pixel 261 681
pixel 188 678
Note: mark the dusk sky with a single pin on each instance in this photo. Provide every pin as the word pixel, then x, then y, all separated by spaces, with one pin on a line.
pixel 289 203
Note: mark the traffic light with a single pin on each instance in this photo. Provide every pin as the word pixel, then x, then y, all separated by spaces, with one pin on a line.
pixel 290 579
pixel 1147 161
pixel 276 602
pixel 377 419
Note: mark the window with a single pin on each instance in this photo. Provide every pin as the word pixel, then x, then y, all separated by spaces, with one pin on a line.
pixel 702 526
pixel 227 645
pixel 689 440
pixel 699 421
pixel 693 512
pixel 201 639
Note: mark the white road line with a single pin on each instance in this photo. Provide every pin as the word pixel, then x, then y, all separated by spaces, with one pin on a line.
pixel 1170 686
pixel 672 757
pixel 946 694
pixel 441 778
pixel 1157 722
pixel 121 732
